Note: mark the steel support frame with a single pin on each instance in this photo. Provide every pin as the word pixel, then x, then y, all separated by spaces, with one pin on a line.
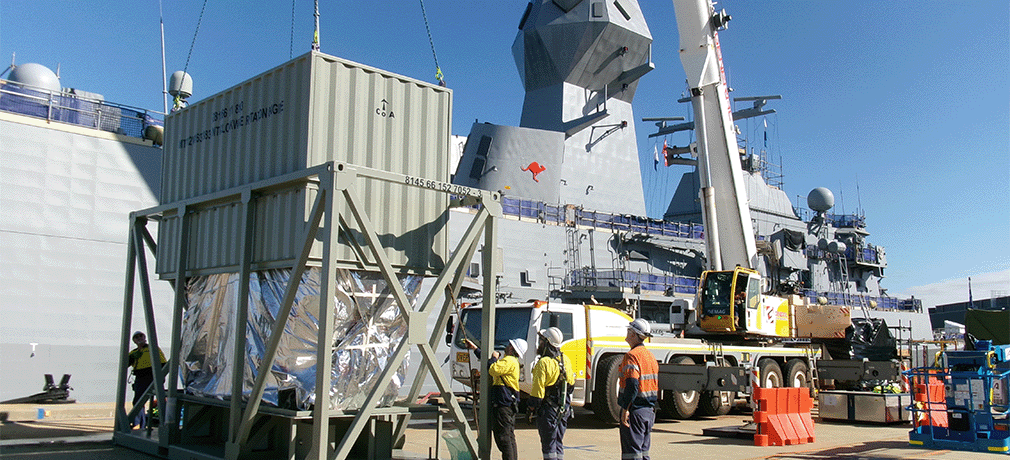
pixel 336 187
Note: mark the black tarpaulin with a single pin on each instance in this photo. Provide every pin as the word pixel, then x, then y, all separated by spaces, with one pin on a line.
pixel 988 325
pixel 871 339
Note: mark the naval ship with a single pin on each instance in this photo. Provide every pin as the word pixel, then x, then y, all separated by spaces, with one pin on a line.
pixel 575 227
pixel 75 165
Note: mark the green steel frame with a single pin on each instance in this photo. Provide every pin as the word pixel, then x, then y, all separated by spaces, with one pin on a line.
pixel 335 185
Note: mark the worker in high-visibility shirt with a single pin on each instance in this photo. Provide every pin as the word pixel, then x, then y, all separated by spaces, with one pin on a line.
pixel 143 375
pixel 551 395
pixel 504 372
pixel 639 390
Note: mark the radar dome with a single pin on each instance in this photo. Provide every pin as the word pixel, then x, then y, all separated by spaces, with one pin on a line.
pixel 820 199
pixel 180 84
pixel 36 75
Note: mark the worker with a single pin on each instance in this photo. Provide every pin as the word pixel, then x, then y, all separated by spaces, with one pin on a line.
pixel 639 389
pixel 551 395
pixel 143 375
pixel 504 372
pixel 739 305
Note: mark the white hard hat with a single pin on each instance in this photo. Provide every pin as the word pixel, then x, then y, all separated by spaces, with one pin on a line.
pixel 519 345
pixel 641 327
pixel 553 336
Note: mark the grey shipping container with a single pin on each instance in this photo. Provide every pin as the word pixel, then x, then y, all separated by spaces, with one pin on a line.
pixel 311 110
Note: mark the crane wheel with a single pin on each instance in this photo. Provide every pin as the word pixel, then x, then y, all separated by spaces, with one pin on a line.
pixel 796 373
pixel 608 373
pixel 680 404
pixel 770 373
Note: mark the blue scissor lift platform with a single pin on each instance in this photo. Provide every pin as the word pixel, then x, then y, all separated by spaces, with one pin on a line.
pixel 975 401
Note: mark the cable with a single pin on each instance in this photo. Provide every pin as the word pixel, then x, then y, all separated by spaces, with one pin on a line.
pixel 438 70
pixel 197 31
pixel 291 43
pixel 178 99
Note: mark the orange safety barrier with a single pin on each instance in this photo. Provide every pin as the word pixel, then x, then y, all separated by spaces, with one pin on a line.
pixel 931 399
pixel 783 416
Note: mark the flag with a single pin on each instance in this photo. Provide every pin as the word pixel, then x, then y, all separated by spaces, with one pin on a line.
pixel 655 162
pixel 666 158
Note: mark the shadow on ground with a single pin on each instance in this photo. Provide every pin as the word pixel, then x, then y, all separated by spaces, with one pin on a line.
pixel 48 429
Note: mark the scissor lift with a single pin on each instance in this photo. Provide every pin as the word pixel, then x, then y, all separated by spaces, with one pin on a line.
pixel 962 404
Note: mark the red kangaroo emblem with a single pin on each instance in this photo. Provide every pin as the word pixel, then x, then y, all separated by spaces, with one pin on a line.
pixel 535 168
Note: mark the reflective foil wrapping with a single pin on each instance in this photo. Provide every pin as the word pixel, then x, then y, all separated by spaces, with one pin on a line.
pixel 368 326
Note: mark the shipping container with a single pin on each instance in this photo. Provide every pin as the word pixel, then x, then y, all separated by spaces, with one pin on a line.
pixel 309 111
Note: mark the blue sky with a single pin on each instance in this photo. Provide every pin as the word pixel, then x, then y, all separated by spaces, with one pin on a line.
pixel 900 108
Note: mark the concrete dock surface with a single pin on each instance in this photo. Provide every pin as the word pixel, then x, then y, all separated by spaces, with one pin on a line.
pixel 76 431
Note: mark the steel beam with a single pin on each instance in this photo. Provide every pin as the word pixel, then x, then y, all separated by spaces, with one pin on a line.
pixel 270 354
pixel 122 422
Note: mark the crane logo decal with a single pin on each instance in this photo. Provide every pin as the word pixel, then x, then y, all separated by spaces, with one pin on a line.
pixel 535 168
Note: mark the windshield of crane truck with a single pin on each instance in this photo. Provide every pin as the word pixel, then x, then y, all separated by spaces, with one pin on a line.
pixel 716 293
pixel 512 323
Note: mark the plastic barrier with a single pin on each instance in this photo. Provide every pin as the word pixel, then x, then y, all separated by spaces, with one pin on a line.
pixel 931 399
pixel 783 416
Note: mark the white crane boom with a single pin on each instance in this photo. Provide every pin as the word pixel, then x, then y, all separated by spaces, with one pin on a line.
pixel 729 233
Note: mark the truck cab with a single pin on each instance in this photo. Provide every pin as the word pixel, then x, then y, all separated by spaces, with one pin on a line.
pixel 525 320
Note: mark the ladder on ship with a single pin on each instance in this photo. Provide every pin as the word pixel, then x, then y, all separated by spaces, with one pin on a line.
pixel 859 299
pixel 577 274
pixel 619 262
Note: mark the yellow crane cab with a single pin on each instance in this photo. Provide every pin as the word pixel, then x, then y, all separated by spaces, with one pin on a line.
pixel 727 299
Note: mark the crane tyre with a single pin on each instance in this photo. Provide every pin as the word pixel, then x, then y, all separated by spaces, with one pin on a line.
pixel 715 403
pixel 605 405
pixel 680 404
pixel 770 373
pixel 796 374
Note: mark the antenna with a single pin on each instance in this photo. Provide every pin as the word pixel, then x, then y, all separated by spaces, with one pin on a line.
pixel 841 198
pixel 859 201
pixel 164 71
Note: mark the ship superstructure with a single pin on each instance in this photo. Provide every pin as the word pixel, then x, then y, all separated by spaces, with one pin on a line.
pixel 586 246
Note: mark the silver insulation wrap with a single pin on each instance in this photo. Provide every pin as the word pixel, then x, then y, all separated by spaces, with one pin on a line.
pixel 367 328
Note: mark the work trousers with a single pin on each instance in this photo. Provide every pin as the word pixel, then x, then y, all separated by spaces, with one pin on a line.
pixel 552 430
pixel 637 436
pixel 503 427
pixel 141 380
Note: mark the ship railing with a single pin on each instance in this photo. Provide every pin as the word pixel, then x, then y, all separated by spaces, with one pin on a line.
pixel 847 220
pixel 637 224
pixel 75 109
pixel 538 211
pixel 882 303
pixel 633 280
pixel 859 254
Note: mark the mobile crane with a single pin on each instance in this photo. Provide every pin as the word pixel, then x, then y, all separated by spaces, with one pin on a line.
pixel 697 374
pixel 729 300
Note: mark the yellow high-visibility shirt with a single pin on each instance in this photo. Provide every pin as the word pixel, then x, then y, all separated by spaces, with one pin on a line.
pixel 140 358
pixel 546 372
pixel 505 371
